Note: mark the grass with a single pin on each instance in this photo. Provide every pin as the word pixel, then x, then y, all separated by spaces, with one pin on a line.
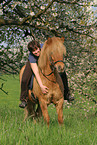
pixel 80 121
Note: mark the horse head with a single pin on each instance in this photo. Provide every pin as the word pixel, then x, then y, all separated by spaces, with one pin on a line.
pixel 59 65
pixel 53 53
pixel 57 52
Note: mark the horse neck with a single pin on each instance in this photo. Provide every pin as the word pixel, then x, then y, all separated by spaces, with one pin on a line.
pixel 54 77
pixel 48 73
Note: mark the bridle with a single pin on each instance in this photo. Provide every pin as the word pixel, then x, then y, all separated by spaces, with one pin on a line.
pixel 52 66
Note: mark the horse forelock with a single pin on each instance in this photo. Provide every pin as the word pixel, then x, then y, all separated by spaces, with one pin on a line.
pixel 56 47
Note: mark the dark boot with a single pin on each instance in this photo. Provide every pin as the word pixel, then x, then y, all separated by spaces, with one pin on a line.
pixel 23 104
pixel 68 97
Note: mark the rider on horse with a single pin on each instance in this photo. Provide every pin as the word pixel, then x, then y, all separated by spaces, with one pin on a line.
pixel 31 70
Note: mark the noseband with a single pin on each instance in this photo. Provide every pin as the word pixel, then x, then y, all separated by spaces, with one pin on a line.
pixel 52 65
pixel 58 61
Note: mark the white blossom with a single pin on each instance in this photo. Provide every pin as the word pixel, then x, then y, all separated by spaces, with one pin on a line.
pixel 42 7
pixel 32 13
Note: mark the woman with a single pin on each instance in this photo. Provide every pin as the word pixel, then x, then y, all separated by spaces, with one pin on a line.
pixel 30 71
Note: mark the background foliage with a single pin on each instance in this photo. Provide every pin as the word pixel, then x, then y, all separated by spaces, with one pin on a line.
pixel 76 20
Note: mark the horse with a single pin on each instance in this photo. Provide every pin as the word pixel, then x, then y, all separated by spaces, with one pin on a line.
pixel 50 63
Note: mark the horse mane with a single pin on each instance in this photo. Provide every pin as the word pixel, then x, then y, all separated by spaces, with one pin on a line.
pixel 53 46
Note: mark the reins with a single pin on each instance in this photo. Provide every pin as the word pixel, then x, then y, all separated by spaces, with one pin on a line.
pixel 52 66
pixel 47 75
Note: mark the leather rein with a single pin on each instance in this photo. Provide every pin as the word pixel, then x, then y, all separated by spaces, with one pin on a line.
pixel 52 66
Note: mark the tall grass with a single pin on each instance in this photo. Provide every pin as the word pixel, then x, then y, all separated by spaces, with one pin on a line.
pixel 79 128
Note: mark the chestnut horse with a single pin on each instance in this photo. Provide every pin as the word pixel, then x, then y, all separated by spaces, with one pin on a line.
pixel 50 63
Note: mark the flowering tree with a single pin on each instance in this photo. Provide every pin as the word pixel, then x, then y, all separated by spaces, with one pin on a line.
pixel 75 20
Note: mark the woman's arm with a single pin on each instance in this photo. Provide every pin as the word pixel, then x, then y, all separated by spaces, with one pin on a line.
pixel 34 67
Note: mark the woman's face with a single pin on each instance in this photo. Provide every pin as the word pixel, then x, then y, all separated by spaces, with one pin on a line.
pixel 36 52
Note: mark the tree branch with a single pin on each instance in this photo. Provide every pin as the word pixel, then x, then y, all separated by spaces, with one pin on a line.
pixel 38 14
pixel 19 11
pixel 6 3
pixel 68 2
pixel 3 90
pixel 18 23
pixel 4 22
pixel 83 26
pixel 72 30
pixel 74 2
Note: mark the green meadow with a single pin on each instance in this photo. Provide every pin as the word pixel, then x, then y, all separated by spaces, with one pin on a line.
pixel 79 128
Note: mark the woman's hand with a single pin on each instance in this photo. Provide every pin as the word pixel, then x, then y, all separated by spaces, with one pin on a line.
pixel 34 67
pixel 44 89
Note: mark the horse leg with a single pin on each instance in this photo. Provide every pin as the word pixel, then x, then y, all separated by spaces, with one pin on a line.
pixel 38 111
pixel 29 110
pixel 26 112
pixel 43 106
pixel 59 108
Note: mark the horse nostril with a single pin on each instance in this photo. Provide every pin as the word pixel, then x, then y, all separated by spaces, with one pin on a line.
pixel 60 69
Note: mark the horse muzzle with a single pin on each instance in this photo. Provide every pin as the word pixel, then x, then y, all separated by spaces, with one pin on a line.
pixel 60 67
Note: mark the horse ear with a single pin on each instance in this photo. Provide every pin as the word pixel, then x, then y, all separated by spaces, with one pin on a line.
pixel 49 40
pixel 62 39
